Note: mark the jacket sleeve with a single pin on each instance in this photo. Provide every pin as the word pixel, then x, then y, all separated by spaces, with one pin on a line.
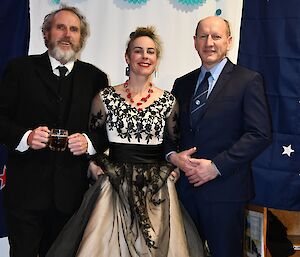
pixel 256 134
pixel 11 132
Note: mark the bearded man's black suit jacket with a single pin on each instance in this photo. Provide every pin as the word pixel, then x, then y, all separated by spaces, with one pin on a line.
pixel 38 179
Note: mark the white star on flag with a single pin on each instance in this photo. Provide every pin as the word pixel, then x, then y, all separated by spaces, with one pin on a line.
pixel 287 150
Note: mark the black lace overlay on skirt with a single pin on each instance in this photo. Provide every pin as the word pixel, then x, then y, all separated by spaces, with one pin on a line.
pixel 144 171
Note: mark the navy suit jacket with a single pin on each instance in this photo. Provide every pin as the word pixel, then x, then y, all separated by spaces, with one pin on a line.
pixel 37 179
pixel 232 130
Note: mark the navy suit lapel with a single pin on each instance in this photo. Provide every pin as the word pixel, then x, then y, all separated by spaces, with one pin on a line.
pixel 189 93
pixel 190 90
pixel 221 83
pixel 219 86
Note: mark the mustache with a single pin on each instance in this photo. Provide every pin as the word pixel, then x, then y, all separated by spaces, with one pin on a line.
pixel 64 40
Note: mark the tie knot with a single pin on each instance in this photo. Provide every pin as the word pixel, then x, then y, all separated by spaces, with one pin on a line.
pixel 62 71
pixel 207 75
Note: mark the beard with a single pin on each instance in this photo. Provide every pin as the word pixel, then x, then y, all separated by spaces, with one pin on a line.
pixel 63 56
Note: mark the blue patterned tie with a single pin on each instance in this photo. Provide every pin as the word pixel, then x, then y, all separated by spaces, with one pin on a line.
pixel 199 98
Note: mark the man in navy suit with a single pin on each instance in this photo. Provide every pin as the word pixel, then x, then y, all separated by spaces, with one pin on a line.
pixel 44 188
pixel 223 133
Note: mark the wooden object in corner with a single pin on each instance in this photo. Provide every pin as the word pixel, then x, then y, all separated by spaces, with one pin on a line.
pixel 290 219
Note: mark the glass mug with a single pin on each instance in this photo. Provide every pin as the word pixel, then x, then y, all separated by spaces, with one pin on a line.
pixel 58 139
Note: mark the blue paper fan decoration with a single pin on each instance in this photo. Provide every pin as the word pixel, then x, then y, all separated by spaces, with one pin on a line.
pixel 136 1
pixel 185 2
pixel 191 2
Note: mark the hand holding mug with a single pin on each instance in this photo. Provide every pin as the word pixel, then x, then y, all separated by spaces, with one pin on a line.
pixel 77 144
pixel 38 138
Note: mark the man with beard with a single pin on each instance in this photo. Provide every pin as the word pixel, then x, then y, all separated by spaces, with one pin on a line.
pixel 44 188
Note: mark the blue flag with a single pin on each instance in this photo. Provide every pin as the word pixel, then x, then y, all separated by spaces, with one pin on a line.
pixel 270 44
pixel 14 25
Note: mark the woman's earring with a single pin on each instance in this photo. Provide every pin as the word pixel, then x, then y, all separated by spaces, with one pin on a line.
pixel 127 71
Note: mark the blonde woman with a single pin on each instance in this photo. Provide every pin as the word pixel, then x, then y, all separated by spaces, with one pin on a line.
pixel 133 210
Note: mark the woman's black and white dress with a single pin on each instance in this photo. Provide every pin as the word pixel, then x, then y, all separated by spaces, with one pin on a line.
pixel 132 210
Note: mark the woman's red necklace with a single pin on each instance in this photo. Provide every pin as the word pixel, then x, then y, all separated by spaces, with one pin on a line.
pixel 143 99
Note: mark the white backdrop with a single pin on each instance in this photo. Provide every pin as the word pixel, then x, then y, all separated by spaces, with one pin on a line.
pixel 111 22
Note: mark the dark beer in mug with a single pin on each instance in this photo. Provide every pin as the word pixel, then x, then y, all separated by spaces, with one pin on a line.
pixel 58 139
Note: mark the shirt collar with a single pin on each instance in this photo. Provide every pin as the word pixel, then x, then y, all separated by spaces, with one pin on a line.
pixel 55 63
pixel 216 70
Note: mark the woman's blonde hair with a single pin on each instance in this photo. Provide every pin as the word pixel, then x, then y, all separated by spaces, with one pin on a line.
pixel 148 31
